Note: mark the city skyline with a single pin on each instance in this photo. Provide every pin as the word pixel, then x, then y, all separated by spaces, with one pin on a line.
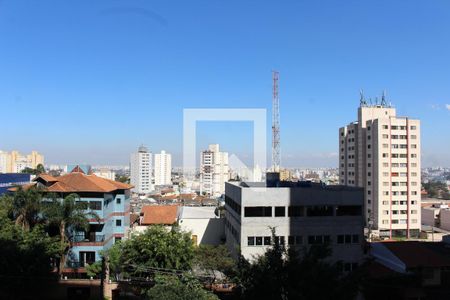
pixel 138 65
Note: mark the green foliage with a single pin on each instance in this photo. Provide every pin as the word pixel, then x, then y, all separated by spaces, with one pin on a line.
pixel 113 258
pixel 67 214
pixel 94 270
pixel 436 189
pixel 39 170
pixel 122 178
pixel 175 288
pixel 24 206
pixel 284 274
pixel 160 248
pixel 215 258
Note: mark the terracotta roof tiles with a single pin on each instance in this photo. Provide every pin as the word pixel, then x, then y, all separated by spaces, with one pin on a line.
pixel 159 214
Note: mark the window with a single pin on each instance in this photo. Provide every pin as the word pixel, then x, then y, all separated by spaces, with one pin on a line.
pixel 118 222
pixel 267 241
pixel 413 146
pixel 95 205
pixel 348 210
pixel 319 211
pixel 118 200
pixel 258 211
pixel 413 127
pixel 413 155
pixel 259 240
pixel 251 241
pixel 296 211
pixel 318 239
pixel 413 137
pixel 348 239
pixel 280 211
pixel 385 127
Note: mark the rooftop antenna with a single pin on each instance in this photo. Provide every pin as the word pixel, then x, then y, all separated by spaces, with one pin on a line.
pixel 383 99
pixel 275 124
pixel 362 100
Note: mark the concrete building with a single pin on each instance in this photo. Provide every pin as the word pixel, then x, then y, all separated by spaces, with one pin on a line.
pixel 105 173
pixel 437 215
pixel 15 162
pixel 141 171
pixel 110 200
pixel 302 213
pixel 381 153
pixel 203 224
pixel 163 168
pixel 214 171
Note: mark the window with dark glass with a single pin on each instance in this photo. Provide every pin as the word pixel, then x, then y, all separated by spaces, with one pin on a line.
pixel 258 211
pixel 251 241
pixel 291 240
pixel 355 239
pixel 259 241
pixel 95 205
pixel 118 222
pixel 267 240
pixel 280 211
pixel 296 211
pixel 319 211
pixel 348 210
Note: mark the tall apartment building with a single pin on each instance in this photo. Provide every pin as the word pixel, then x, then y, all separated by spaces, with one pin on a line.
pixel 141 171
pixel 163 168
pixel 15 162
pixel 381 152
pixel 214 171
pixel 302 213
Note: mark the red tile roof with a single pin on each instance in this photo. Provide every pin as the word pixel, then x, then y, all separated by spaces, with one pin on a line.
pixel 80 182
pixel 159 214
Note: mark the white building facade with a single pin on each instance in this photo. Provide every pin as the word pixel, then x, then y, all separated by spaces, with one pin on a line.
pixel 214 171
pixel 163 168
pixel 381 153
pixel 15 162
pixel 141 171
pixel 303 214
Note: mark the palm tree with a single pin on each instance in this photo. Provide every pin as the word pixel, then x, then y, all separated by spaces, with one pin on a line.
pixel 67 214
pixel 26 206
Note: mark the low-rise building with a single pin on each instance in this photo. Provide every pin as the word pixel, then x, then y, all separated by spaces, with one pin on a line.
pixel 110 200
pixel 302 213
pixel 205 226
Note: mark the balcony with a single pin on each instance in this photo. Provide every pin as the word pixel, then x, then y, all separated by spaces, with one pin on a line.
pixel 88 238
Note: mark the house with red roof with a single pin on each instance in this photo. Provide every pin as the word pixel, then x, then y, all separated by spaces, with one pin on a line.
pixel 109 199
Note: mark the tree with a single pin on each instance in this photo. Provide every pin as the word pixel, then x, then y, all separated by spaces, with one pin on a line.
pixel 25 206
pixel 39 170
pixel 27 256
pixel 214 258
pixel 67 214
pixel 94 269
pixel 282 273
pixel 158 247
pixel 113 257
pixel 122 178
pixel 168 287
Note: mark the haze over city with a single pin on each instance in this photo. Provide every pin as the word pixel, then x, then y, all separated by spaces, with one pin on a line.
pixel 117 74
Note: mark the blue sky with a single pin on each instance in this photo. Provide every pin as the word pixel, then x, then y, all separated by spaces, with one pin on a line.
pixel 90 80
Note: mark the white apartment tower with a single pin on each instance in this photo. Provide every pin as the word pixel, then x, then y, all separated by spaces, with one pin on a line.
pixel 214 171
pixel 381 153
pixel 141 171
pixel 163 168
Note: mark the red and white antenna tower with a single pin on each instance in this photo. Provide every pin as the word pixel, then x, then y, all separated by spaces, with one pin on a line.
pixel 275 124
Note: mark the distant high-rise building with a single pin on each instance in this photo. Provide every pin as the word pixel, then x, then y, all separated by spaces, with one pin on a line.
pixel 214 171
pixel 14 162
pixel 163 168
pixel 381 152
pixel 141 171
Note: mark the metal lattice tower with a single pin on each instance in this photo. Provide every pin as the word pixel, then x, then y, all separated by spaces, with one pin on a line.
pixel 275 124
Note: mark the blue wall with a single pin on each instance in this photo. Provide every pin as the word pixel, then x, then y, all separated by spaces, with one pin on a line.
pixel 9 180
